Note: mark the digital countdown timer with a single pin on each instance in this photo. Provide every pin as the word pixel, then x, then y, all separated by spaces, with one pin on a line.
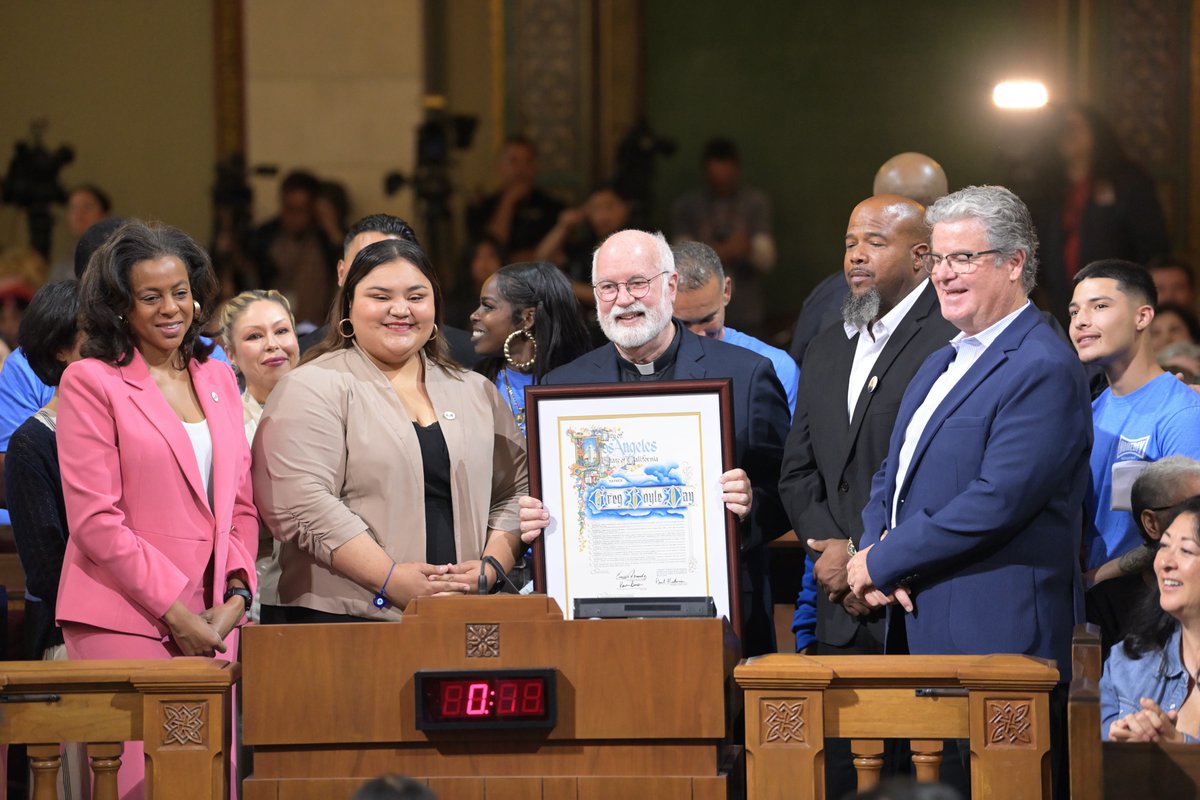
pixel 485 699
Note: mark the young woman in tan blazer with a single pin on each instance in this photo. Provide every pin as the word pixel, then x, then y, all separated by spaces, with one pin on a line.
pixel 385 470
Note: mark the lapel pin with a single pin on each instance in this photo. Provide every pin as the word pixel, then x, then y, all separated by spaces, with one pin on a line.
pixel 448 414
pixel 871 384
pixel 215 398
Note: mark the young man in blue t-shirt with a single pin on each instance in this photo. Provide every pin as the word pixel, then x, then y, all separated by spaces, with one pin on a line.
pixel 1143 415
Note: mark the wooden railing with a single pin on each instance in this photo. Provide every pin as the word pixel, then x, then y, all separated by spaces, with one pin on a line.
pixel 179 707
pixel 1000 703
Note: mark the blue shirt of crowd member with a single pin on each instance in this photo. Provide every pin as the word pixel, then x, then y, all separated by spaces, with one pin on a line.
pixel 22 394
pixel 1159 676
pixel 1160 419
pixel 785 368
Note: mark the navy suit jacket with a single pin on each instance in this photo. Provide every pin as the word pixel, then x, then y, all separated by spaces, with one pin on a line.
pixel 760 422
pixel 829 461
pixel 988 528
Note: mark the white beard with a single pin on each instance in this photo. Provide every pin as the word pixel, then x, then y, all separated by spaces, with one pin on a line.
pixel 631 337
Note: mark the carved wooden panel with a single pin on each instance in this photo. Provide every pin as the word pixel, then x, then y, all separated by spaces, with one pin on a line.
pixel 183 724
pixel 1149 62
pixel 783 721
pixel 483 640
pixel 548 58
pixel 229 66
pixel 1009 723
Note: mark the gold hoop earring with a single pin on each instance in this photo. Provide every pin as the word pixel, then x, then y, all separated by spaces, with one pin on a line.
pixel 433 337
pixel 196 306
pixel 341 329
pixel 528 334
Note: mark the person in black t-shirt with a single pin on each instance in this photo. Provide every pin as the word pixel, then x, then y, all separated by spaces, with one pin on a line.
pixel 519 214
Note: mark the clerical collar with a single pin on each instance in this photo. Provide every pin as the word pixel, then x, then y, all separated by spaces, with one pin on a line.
pixel 661 369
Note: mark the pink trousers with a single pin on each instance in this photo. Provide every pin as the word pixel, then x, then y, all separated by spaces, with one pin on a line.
pixel 87 642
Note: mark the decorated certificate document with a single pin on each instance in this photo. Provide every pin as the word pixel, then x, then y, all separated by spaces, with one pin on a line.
pixel 629 474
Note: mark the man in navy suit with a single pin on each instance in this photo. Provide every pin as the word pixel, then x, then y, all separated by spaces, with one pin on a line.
pixel 635 282
pixel 975 517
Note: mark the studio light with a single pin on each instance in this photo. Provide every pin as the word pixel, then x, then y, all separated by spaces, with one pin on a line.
pixel 1020 94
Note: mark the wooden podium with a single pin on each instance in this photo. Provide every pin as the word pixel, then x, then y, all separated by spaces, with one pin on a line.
pixel 641 704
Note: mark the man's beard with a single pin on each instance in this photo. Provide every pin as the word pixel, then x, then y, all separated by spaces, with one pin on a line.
pixel 859 310
pixel 631 337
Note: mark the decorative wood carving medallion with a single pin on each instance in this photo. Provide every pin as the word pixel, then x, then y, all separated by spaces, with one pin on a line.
pixel 483 640
pixel 1009 723
pixel 782 721
pixel 183 724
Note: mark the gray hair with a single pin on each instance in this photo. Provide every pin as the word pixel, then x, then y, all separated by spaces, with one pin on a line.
pixel 665 260
pixel 1005 218
pixel 1158 486
pixel 1178 350
pixel 697 264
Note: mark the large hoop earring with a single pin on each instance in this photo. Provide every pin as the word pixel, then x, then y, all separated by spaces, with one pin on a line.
pixel 341 329
pixel 434 335
pixel 528 334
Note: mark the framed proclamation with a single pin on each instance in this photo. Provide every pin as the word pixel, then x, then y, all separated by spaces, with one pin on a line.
pixel 629 473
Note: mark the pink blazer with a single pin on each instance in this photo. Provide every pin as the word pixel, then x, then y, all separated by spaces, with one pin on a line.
pixel 141 531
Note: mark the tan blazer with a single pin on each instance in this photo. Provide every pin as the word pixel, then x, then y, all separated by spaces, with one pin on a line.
pixel 336 454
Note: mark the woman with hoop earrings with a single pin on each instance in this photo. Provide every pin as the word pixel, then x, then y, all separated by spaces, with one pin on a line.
pixel 528 322
pixel 384 470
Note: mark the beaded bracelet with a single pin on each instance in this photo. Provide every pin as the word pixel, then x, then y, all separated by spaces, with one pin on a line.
pixel 381 601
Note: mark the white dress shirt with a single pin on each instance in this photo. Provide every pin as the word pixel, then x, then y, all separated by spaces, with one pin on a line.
pixel 967 350
pixel 866 353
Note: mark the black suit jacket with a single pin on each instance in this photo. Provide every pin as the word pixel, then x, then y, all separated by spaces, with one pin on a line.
pixel 828 463
pixel 821 309
pixel 760 422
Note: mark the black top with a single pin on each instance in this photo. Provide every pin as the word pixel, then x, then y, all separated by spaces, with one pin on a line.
pixel 39 519
pixel 439 514
pixel 533 217
pixel 663 368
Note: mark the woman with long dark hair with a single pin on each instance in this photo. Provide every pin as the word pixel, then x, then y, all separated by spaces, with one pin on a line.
pixel 384 470
pixel 1148 692
pixel 528 322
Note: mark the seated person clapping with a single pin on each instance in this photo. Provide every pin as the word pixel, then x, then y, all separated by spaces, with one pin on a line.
pixel 385 471
pixel 1148 692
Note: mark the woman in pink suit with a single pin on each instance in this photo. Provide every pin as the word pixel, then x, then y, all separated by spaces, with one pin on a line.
pixel 155 466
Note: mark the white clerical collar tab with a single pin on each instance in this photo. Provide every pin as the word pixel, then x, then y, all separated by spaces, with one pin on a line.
pixel 645 369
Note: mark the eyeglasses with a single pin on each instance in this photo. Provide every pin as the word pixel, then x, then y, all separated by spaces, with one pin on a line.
pixel 961 263
pixel 637 287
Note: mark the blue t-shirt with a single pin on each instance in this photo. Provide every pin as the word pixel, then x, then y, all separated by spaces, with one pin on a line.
pixel 1160 419
pixel 785 367
pixel 21 395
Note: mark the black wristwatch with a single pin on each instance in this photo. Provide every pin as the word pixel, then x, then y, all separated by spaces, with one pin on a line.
pixel 242 592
